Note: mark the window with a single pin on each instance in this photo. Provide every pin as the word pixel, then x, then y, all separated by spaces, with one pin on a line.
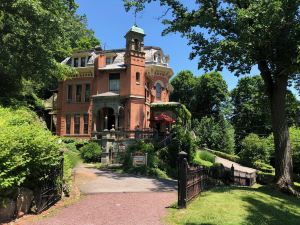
pixel 109 61
pixel 78 92
pixel 75 62
pixel 68 124
pixel 70 92
pixel 137 78
pixel 76 123
pixel 114 82
pixel 87 93
pixel 82 62
pixel 158 90
pixel 158 58
pixel 136 45
pixel 86 123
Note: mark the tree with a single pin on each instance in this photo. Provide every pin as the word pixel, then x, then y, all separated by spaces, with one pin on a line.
pixel 255 148
pixel 239 35
pixel 210 94
pixel 250 114
pixel 215 134
pixel 184 83
pixel 35 36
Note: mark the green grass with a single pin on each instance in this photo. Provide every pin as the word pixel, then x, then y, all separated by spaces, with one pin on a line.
pixel 259 205
pixel 204 158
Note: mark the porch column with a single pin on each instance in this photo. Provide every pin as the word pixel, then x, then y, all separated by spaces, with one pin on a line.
pixel 116 121
pixel 106 123
pixel 94 119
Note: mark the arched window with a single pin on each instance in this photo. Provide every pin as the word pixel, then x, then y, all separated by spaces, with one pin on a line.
pixel 158 90
pixel 137 78
pixel 158 58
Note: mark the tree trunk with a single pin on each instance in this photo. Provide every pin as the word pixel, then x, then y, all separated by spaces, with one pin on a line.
pixel 283 153
pixel 276 88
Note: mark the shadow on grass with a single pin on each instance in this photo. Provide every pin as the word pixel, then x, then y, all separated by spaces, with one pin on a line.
pixel 266 205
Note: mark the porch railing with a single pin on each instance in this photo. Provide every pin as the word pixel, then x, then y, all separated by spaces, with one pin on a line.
pixel 130 134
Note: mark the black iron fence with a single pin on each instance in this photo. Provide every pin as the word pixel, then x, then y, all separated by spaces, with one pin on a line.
pixel 192 180
pixel 50 190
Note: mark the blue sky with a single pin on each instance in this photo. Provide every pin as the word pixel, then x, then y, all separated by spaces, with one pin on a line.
pixel 110 22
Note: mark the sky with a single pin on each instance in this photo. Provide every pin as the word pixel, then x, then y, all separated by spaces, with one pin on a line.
pixel 110 22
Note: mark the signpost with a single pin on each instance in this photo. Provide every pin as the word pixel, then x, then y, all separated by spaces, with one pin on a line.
pixel 139 159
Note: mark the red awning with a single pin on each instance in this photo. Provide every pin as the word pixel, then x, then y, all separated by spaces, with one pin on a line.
pixel 164 117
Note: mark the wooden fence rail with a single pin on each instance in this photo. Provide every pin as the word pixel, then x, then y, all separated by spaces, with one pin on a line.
pixel 192 180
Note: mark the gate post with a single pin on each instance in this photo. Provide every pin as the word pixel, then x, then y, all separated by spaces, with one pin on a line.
pixel 232 175
pixel 182 179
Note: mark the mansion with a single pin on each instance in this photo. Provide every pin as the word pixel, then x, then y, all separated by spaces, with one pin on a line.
pixel 115 89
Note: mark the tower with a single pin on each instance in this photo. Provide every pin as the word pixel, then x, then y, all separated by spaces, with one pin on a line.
pixel 134 59
pixel 134 44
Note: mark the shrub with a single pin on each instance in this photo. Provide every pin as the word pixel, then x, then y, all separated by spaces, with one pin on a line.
pixel 67 175
pixel 91 152
pixel 204 158
pixel 234 158
pixel 263 167
pixel 215 134
pixel 73 143
pixel 143 147
pixel 73 157
pixel 156 172
pixel 71 147
pixel 254 148
pixel 28 150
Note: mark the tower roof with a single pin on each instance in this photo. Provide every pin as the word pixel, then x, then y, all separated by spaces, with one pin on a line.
pixel 136 29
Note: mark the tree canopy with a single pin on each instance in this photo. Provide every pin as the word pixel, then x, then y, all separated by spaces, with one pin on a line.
pixel 35 36
pixel 184 83
pixel 239 35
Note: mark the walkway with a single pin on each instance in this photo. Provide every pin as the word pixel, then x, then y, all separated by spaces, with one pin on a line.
pixel 237 167
pixel 107 181
pixel 116 199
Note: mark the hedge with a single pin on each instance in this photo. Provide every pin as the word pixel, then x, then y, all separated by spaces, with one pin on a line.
pixel 28 149
pixel 230 157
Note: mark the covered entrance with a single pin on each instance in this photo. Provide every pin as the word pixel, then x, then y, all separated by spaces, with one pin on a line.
pixel 106 111
pixel 162 122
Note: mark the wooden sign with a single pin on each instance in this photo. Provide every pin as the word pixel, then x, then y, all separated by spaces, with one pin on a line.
pixel 139 159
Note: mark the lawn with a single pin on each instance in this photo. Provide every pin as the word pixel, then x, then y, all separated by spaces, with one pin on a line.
pixel 259 205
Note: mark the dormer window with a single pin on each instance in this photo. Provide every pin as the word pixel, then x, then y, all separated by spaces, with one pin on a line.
pixel 109 60
pixel 75 62
pixel 158 58
pixel 82 61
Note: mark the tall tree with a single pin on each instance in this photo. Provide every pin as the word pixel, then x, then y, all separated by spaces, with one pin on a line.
pixel 250 114
pixel 210 95
pixel 239 35
pixel 35 36
pixel 184 83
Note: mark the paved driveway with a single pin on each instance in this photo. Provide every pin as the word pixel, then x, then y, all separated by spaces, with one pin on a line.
pixel 107 181
pixel 116 199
